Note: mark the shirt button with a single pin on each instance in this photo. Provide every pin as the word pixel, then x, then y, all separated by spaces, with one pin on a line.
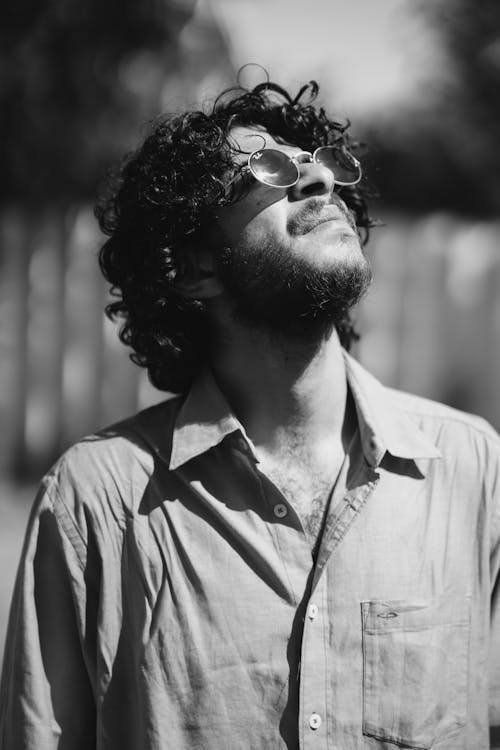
pixel 315 721
pixel 312 611
pixel 280 510
pixel 242 444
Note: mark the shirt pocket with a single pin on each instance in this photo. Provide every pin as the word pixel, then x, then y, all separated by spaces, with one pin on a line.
pixel 415 657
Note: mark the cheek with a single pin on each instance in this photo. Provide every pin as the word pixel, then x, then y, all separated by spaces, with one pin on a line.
pixel 231 223
pixel 257 219
pixel 256 232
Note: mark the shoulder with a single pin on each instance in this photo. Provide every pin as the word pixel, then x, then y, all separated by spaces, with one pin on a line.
pixel 109 470
pixel 469 467
pixel 426 408
pixel 429 412
pixel 458 434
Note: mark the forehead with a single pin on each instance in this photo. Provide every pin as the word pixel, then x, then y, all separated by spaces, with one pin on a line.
pixel 245 139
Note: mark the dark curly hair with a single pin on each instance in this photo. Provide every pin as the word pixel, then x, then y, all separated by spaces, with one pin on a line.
pixel 161 202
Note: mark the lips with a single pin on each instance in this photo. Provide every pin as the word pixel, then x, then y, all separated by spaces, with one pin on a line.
pixel 315 213
pixel 328 214
pixel 325 219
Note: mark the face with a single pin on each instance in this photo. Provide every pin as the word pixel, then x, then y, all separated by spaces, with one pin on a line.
pixel 309 219
pixel 292 259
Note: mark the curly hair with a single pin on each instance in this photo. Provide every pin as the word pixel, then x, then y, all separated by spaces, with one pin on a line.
pixel 161 202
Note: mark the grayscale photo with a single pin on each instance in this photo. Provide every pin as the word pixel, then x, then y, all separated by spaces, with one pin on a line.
pixel 249 375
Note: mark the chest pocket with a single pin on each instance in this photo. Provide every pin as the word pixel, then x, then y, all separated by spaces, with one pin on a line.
pixel 415 657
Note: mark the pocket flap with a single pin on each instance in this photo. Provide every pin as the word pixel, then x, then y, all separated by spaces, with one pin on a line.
pixel 384 615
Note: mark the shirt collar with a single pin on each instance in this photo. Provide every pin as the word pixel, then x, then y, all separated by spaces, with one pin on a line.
pixel 205 419
pixel 384 426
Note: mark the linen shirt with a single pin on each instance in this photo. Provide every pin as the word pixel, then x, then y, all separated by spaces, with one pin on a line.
pixel 167 596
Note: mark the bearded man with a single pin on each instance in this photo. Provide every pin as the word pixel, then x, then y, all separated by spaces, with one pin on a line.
pixel 284 553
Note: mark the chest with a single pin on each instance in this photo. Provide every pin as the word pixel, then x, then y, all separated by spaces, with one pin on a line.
pixel 307 486
pixel 401 543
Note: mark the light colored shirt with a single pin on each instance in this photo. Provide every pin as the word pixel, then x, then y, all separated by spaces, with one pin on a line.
pixel 167 596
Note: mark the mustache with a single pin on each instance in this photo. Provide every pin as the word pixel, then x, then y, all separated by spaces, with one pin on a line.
pixel 315 211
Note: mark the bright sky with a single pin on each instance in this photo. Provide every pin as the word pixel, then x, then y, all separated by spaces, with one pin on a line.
pixel 366 54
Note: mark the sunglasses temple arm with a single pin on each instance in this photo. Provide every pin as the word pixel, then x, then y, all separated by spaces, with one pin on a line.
pixel 245 168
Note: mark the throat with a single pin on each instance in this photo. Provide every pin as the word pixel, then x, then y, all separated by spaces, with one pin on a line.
pixel 306 482
pixel 305 471
pixel 281 392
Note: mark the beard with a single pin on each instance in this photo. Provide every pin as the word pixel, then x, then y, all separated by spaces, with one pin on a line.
pixel 287 295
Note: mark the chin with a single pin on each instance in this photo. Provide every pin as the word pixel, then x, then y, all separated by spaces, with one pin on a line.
pixel 346 247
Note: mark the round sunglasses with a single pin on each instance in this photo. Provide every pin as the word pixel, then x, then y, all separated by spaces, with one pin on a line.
pixel 278 169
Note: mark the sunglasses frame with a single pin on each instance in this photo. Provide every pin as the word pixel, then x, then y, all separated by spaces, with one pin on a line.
pixel 295 161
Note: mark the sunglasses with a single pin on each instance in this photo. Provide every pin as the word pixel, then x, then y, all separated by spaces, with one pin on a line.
pixel 279 170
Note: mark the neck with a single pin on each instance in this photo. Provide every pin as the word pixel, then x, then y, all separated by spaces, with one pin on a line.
pixel 283 391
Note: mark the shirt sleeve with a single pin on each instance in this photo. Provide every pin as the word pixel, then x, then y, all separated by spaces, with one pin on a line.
pixel 46 695
pixel 494 660
pixel 494 663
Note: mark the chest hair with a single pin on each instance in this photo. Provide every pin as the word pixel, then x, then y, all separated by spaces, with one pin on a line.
pixel 307 484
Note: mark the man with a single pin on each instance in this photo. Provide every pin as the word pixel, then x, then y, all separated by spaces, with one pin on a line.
pixel 286 554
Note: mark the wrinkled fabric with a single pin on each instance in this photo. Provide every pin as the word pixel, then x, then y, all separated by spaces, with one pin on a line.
pixel 167 596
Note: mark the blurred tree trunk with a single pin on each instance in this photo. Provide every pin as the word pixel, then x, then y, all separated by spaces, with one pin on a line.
pixel 21 234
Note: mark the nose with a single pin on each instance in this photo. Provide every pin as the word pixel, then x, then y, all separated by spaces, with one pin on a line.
pixel 314 179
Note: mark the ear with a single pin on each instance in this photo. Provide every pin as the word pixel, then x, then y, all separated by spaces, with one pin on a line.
pixel 200 280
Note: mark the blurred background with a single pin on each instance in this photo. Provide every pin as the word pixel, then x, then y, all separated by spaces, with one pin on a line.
pixel 419 80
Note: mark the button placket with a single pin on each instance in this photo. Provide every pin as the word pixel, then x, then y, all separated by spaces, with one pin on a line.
pixel 313 700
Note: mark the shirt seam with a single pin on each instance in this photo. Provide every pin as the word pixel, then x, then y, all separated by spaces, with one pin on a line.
pixel 338 520
pixel 70 528
pixel 344 526
pixel 275 536
pixel 463 421
pixel 324 608
pixel 495 518
pixel 302 688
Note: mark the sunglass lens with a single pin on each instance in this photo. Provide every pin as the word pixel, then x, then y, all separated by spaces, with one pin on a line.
pixel 273 168
pixel 343 164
